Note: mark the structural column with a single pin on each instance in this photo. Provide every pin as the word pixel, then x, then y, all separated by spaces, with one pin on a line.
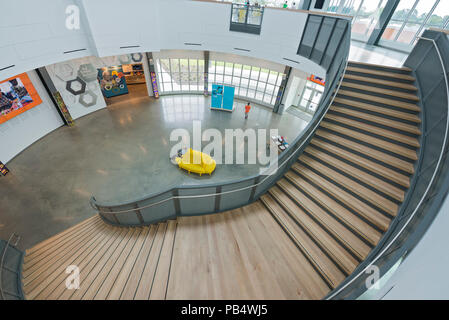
pixel 206 73
pixel 278 106
pixel 152 74
pixel 384 19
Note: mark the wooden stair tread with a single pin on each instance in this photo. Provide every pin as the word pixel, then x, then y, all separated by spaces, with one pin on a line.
pixel 133 281
pixel 392 147
pixel 367 194
pixel 344 235
pixel 163 268
pixel 92 279
pixel 320 261
pixel 61 292
pixel 382 73
pixel 146 281
pixel 102 274
pixel 386 111
pixel 109 281
pixel 55 281
pixel 364 210
pixel 33 270
pixel 375 154
pixel 388 102
pixel 277 245
pixel 127 268
pixel 355 223
pixel 400 85
pixel 346 261
pixel 406 69
pixel 53 240
pixel 380 120
pixel 411 141
pixel 365 163
pixel 392 93
pixel 361 175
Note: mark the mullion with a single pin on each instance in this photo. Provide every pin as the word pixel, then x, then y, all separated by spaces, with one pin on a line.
pixel 406 20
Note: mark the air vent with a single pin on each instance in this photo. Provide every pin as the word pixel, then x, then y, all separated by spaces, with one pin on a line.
pixel 192 44
pixel 127 47
pixel 11 66
pixel 294 61
pixel 71 51
pixel 240 49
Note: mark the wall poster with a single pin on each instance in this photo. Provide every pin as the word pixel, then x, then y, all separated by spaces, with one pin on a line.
pixel 17 95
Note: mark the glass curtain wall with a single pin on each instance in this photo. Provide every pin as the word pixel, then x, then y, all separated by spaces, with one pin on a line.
pixel 187 76
pixel 410 20
pixel 310 98
pixel 366 14
pixel 253 82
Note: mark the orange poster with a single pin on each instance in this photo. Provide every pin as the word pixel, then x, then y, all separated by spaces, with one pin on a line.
pixel 17 95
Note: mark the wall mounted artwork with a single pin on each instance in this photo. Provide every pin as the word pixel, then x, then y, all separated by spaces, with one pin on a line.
pixel 17 95
pixel 112 81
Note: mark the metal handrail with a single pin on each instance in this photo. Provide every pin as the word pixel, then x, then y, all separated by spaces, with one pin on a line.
pixel 440 158
pixel 3 261
pixel 244 188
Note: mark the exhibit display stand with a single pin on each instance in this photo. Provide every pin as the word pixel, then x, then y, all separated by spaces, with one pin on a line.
pixel 112 81
pixel 222 98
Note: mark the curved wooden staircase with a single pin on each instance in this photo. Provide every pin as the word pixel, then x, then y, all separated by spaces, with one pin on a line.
pixel 299 241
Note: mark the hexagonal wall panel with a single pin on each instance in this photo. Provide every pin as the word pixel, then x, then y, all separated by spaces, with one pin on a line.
pixel 64 71
pixel 87 72
pixel 76 86
pixel 137 57
pixel 88 99
pixel 124 59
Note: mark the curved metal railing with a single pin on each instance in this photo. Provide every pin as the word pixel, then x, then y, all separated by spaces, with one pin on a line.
pixel 423 197
pixel 2 261
pixel 173 201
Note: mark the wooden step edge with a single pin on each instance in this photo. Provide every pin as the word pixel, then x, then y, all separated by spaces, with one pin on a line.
pixel 380 73
pixel 380 110
pixel 399 85
pixel 369 165
pixel 374 182
pixel 48 241
pixel 332 275
pixel 380 143
pixel 368 151
pixel 342 257
pixel 385 101
pixel 355 223
pixel 348 240
pixel 365 193
pixel 378 120
pixel 406 69
pixel 388 92
pixel 369 213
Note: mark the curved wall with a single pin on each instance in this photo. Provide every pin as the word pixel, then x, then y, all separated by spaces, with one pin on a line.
pixel 115 27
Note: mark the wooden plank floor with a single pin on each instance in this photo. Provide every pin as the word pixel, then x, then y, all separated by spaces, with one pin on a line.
pixel 299 241
pixel 241 254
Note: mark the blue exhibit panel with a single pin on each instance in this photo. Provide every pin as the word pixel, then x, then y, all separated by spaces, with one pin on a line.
pixel 217 96
pixel 228 98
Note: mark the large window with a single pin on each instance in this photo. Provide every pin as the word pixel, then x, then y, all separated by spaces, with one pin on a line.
pixel 411 18
pixel 310 98
pixel 187 75
pixel 180 75
pixel 255 83
pixel 366 14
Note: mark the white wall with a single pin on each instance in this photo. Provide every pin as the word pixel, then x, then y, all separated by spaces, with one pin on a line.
pixel 21 131
pixel 34 33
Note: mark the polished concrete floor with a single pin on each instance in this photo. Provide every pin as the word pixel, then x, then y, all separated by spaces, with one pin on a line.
pixel 363 52
pixel 117 154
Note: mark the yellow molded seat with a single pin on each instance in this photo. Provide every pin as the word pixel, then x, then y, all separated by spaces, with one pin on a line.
pixel 197 162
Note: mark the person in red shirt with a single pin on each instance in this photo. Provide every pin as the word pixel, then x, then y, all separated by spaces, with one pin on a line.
pixel 247 108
